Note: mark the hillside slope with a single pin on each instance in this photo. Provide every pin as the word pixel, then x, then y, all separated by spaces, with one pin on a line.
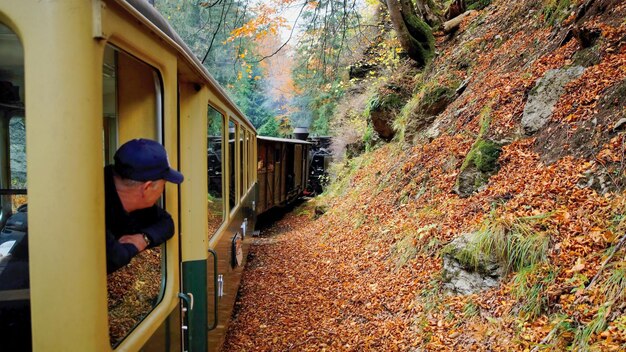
pixel 497 169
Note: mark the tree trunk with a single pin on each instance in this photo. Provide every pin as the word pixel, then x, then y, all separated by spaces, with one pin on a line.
pixel 424 9
pixel 453 24
pixel 415 36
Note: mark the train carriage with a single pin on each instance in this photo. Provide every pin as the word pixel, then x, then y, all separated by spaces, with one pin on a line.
pixel 282 171
pixel 77 79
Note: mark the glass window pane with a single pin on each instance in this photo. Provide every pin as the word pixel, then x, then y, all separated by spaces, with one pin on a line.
pixel 250 164
pixel 215 130
pixel 15 331
pixel 232 198
pixel 242 158
pixel 132 97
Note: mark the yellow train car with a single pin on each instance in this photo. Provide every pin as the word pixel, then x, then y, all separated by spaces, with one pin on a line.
pixel 78 78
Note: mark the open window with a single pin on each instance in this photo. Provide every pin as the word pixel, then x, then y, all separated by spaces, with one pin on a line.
pixel 15 326
pixel 215 198
pixel 132 107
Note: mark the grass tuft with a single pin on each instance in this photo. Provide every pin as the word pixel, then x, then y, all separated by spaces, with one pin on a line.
pixel 511 241
pixel 597 325
pixel 470 309
pixel 615 285
pixel 530 289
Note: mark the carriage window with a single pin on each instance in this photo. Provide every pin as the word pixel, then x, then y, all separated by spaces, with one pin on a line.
pixel 251 160
pixel 15 329
pixel 248 163
pixel 232 198
pixel 260 161
pixel 215 128
pixel 132 98
pixel 242 164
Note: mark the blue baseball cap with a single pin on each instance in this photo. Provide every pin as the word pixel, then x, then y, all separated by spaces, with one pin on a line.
pixel 144 160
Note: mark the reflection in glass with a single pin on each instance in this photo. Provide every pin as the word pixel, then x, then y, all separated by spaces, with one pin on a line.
pixel 215 200
pixel 232 198
pixel 249 166
pixel 242 163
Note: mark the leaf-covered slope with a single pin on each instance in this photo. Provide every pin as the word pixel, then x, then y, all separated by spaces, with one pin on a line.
pixel 367 275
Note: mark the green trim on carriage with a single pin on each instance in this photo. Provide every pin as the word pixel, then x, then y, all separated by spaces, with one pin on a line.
pixel 195 282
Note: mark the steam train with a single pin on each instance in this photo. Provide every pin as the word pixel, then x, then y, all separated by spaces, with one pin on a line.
pixel 320 157
pixel 78 79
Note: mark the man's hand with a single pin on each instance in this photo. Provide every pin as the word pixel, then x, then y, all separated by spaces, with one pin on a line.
pixel 136 239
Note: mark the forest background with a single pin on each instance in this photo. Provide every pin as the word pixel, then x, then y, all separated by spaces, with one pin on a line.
pixel 284 62
pixel 481 139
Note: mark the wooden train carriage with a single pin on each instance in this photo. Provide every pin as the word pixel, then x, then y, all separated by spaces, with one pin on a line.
pixel 77 79
pixel 282 171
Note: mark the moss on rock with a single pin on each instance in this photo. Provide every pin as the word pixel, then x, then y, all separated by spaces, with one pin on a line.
pixel 486 155
pixel 437 98
pixel 481 162
pixel 477 4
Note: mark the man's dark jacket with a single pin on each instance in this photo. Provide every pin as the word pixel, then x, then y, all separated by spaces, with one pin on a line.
pixel 155 222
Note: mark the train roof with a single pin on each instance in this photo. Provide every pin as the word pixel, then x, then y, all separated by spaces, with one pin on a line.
pixel 282 140
pixel 147 14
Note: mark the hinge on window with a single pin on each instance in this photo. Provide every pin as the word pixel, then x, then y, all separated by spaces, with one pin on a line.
pixel 96 25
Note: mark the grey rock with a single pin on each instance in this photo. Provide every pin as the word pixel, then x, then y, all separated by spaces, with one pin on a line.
pixel 461 278
pixel 544 96
pixel 598 180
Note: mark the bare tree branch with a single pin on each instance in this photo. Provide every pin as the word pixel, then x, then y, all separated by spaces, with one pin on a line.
pixel 290 35
pixel 219 25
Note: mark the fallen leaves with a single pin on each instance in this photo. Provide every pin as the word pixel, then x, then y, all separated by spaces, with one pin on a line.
pixel 366 274
pixel 132 291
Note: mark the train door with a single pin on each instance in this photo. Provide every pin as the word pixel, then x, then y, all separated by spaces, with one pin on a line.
pixel 261 167
pixel 298 157
pixel 272 171
pixel 15 322
pixel 279 176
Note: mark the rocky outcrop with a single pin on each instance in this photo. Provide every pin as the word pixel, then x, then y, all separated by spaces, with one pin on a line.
pixel 480 164
pixel 461 277
pixel 544 95
pixel 382 123
pixel 383 110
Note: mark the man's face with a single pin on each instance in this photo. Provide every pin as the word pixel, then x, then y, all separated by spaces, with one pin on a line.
pixel 152 191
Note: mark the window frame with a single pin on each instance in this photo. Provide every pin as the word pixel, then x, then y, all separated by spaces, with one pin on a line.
pixel 223 137
pixel 119 133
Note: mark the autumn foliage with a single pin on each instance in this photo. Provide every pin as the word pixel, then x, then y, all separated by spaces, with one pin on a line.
pixel 366 275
